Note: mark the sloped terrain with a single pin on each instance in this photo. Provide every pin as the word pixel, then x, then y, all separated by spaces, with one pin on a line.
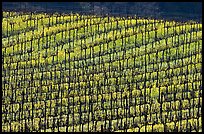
pixel 71 72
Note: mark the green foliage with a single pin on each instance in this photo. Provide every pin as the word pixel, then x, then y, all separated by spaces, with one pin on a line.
pixel 86 75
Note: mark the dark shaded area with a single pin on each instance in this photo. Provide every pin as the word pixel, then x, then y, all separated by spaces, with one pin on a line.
pixel 166 10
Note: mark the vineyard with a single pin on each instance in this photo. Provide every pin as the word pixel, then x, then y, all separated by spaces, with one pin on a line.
pixel 73 73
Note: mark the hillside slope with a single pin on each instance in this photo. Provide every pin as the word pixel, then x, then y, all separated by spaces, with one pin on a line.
pixel 89 73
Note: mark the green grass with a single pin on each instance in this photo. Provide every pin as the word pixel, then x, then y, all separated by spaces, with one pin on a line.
pixel 82 71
